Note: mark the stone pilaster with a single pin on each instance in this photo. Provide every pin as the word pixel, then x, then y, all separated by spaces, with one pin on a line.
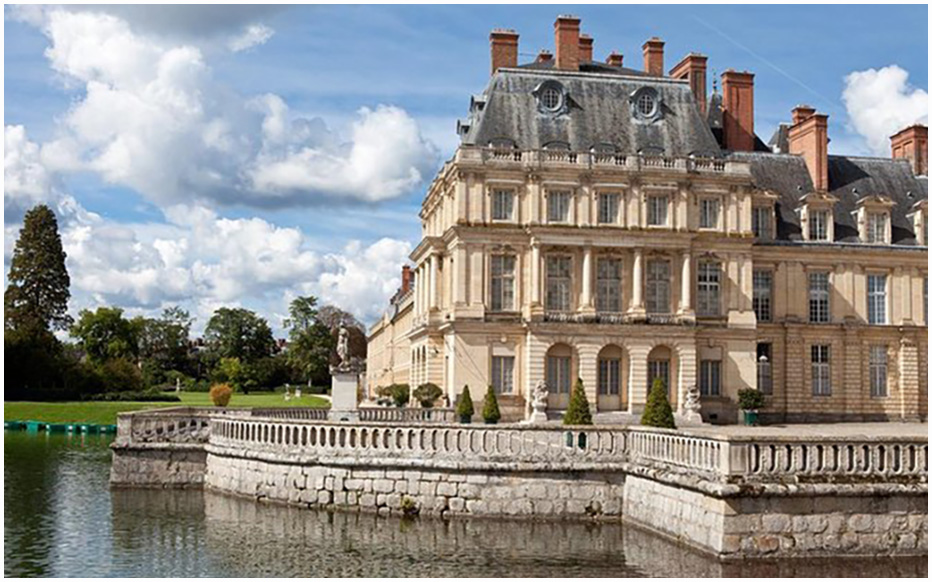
pixel 909 379
pixel 637 383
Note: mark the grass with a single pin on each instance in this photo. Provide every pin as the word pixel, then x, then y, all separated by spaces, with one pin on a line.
pixel 106 412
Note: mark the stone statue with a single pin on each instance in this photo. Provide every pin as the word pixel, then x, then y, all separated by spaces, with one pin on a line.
pixel 343 345
pixel 539 403
pixel 692 406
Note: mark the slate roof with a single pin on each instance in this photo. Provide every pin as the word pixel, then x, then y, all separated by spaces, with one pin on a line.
pixel 600 113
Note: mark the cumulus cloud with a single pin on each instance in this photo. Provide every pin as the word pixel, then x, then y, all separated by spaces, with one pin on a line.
pixel 881 102
pixel 153 118
pixel 252 35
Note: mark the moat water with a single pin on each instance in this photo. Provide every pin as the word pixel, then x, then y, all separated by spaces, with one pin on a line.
pixel 61 519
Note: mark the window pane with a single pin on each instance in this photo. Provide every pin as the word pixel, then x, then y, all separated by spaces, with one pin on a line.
pixel 658 286
pixel 503 374
pixel 763 291
pixel 559 283
pixel 708 285
pixel 876 227
pixel 502 205
pixel 710 377
pixel 818 298
pixel 502 282
pixel 821 371
pixel 877 299
pixel 608 208
pixel 708 213
pixel 878 371
pixel 764 369
pixel 658 369
pixel 609 376
pixel 558 206
pixel 761 219
pixel 818 225
pixel 657 210
pixel 608 285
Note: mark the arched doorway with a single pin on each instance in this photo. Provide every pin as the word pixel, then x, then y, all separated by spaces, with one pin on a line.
pixel 611 379
pixel 661 364
pixel 560 373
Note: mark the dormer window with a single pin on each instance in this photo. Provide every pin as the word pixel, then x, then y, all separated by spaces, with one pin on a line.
pixel 873 219
pixel 818 225
pixel 645 104
pixel 762 221
pixel 877 227
pixel 816 218
pixel 551 97
pixel 918 214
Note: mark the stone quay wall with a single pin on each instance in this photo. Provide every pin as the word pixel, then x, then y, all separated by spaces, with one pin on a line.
pixel 730 496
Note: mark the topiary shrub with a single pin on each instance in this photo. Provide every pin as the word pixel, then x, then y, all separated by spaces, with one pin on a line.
pixel 750 399
pixel 578 411
pixel 490 412
pixel 220 394
pixel 398 393
pixel 658 411
pixel 427 393
pixel 464 408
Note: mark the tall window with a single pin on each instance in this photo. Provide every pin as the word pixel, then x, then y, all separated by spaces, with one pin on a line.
pixel 559 283
pixel 503 374
pixel 658 286
pixel 818 297
pixel 503 203
pixel 763 294
pixel 558 374
pixel 708 212
pixel 657 210
pixel 503 283
pixel 658 369
pixel 609 376
pixel 608 285
pixel 558 207
pixel 818 225
pixel 708 286
pixel 877 227
pixel 764 368
pixel 877 299
pixel 878 371
pixel 608 208
pixel 762 222
pixel 821 370
pixel 710 377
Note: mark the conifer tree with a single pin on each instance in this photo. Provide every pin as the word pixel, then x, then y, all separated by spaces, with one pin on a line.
pixel 578 411
pixel 658 411
pixel 490 412
pixel 464 408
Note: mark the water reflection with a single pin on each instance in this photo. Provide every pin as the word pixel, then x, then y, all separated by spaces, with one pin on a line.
pixel 62 520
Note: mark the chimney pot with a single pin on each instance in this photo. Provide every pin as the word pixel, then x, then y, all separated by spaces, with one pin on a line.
pixel 653 57
pixel 912 143
pixel 504 47
pixel 802 113
pixel 693 68
pixel 615 59
pixel 544 55
pixel 566 41
pixel 738 110
pixel 585 48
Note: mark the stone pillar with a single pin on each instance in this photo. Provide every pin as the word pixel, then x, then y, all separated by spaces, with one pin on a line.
pixel 588 372
pixel 638 283
pixel 418 290
pixel 852 387
pixel 434 282
pixel 535 273
pixel 637 378
pixel 459 275
pixel 586 299
pixel 686 286
pixel 909 379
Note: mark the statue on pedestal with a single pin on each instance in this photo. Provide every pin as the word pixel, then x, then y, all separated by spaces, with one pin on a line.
pixel 344 381
pixel 538 403
pixel 692 406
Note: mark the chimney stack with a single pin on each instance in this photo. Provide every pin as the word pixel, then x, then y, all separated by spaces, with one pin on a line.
pixel 912 143
pixel 585 48
pixel 407 277
pixel 615 59
pixel 566 33
pixel 738 110
pixel 653 57
pixel 693 69
pixel 808 137
pixel 544 55
pixel 504 44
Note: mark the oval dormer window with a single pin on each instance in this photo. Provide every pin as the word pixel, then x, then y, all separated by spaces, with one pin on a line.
pixel 551 99
pixel 645 104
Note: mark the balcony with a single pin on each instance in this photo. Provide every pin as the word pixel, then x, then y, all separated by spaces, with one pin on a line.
pixel 617 318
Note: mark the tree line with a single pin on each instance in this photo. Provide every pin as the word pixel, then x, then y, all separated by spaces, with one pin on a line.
pixel 110 355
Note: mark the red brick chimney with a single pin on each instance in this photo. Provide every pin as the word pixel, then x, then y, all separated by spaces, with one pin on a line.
pixel 653 57
pixel 504 44
pixel 544 55
pixel 407 277
pixel 615 59
pixel 912 143
pixel 738 110
pixel 693 69
pixel 585 48
pixel 808 137
pixel 566 33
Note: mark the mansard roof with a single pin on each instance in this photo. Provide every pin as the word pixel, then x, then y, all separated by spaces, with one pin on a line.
pixel 599 113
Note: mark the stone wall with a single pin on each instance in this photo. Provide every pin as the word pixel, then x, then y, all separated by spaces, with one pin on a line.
pixel 158 465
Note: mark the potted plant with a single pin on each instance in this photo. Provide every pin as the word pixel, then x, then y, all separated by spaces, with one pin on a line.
pixel 490 412
pixel 464 408
pixel 658 411
pixel 427 393
pixel 750 401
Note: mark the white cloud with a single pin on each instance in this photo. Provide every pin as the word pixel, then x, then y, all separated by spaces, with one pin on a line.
pixel 253 35
pixel 881 102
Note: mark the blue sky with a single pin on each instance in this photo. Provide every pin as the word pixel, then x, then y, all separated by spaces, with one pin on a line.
pixel 325 63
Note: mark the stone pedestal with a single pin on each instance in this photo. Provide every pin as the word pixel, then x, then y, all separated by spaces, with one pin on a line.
pixel 343 407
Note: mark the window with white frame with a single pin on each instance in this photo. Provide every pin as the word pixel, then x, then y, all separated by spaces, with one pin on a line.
pixel 876 227
pixel 762 222
pixel 502 283
pixel 820 356
pixel 608 285
pixel 657 207
pixel 765 368
pixel 762 299
pixel 609 376
pixel 658 369
pixel 818 225
pixel 710 377
pixel 708 288
pixel 819 292
pixel 877 299
pixel 558 206
pixel 503 374
pixel 658 286
pixel 559 283
pixel 608 208
pixel 708 212
pixel 877 365
pixel 559 369
pixel 503 205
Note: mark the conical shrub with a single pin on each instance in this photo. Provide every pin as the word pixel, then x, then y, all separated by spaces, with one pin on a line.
pixel 464 408
pixel 490 412
pixel 658 411
pixel 578 410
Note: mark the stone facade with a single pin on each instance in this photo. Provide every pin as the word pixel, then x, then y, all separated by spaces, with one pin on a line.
pixel 158 465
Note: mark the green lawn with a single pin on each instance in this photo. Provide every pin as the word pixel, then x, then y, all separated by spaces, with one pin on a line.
pixel 106 412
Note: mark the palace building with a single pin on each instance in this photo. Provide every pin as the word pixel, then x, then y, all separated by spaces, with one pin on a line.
pixel 617 224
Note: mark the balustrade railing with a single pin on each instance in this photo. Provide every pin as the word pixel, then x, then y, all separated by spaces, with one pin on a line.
pixel 297 413
pixel 842 458
pixel 387 414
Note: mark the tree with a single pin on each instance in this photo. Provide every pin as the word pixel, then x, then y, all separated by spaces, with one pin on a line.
pixel 238 333
pixel 490 412
pixel 464 408
pixel 105 335
pixel 310 342
pixel 163 344
pixel 333 317
pixel 578 411
pixel 36 297
pixel 658 412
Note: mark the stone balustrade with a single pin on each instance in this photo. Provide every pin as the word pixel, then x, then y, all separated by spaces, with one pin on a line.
pixel 391 414
pixel 297 413
pixel 181 424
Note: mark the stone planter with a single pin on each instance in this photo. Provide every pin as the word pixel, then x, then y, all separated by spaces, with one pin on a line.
pixel 750 417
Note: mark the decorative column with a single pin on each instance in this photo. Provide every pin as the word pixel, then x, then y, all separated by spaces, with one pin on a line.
pixel 586 299
pixel 638 283
pixel 686 286
pixel 418 283
pixel 434 288
pixel 909 379
pixel 637 378
pixel 535 272
pixel 459 275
